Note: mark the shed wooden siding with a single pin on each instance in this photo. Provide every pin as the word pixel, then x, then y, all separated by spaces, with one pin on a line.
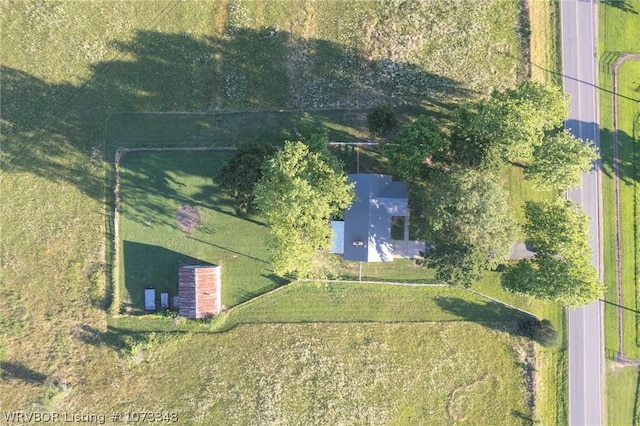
pixel 199 288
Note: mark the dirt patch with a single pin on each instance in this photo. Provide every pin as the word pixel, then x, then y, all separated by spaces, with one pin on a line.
pixel 188 218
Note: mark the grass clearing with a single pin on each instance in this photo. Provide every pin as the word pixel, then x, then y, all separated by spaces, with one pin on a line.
pixel 521 190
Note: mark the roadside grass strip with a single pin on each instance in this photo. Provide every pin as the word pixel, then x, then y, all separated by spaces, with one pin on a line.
pixel 619 31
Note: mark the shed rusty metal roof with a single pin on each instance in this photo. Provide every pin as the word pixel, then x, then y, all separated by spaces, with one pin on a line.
pixel 200 292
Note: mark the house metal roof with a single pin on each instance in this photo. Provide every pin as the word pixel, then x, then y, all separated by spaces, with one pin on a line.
pixel 367 223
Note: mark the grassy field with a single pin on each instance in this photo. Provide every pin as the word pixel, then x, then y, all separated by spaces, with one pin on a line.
pixel 74 76
pixel 337 373
pixel 545 52
pixel 354 302
pixel 553 386
pixel 619 32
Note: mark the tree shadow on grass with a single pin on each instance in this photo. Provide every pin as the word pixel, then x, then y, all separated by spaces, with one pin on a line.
pixel 56 130
pixel 62 132
pixel 626 156
pixel 623 5
pixel 95 337
pixel 146 266
pixel 500 317
pixel 153 185
pixel 12 370
pixel 230 250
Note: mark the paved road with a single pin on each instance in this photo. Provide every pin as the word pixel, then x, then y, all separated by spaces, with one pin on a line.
pixel 586 349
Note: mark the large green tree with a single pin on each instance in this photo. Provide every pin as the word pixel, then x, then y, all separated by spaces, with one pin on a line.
pixel 561 270
pixel 414 146
pixel 465 214
pixel 238 177
pixel 298 193
pixel 560 160
pixel 516 120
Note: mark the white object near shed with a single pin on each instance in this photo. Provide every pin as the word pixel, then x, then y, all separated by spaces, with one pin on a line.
pixel 164 300
pixel 150 299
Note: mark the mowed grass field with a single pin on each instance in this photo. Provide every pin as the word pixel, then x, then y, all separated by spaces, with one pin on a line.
pixel 619 32
pixel 360 302
pixel 75 75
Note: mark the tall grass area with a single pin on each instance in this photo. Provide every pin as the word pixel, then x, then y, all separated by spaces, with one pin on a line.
pixel 619 32
pixel 552 394
pixel 629 210
pixel 338 373
pixel 72 75
pixel 546 55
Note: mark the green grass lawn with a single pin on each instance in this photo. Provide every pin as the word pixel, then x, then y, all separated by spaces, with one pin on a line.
pixel 400 270
pixel 152 246
pixel 521 190
pixel 356 302
pixel 622 394
pixel 619 32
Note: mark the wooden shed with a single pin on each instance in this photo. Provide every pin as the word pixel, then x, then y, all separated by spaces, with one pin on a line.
pixel 199 291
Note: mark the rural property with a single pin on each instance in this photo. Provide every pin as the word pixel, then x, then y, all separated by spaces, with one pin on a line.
pixel 295 212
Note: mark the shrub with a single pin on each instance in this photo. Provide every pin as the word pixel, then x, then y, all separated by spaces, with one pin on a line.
pixel 382 119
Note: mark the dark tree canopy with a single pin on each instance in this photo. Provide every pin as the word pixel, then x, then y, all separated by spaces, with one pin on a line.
pixel 465 214
pixel 516 120
pixel 382 119
pixel 561 270
pixel 414 146
pixel 238 176
pixel 298 193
